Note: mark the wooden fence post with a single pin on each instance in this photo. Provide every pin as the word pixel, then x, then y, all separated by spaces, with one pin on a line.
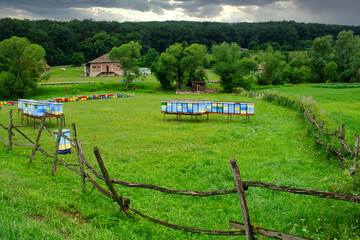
pixel 10 143
pixel 79 154
pixel 241 192
pixel 342 136
pixel 36 143
pixel 356 152
pixel 57 143
pixel 119 199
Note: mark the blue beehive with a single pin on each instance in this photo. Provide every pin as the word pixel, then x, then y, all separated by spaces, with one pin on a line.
pixel 174 107
pixel 184 107
pixel 179 107
pixel 243 107
pixel 214 107
pixel 190 107
pixel 225 107
pixel 195 108
pixel 57 108
pixel 202 107
pixel 163 106
pixel 64 145
pixel 208 106
pixel 237 108
pixel 40 109
pixel 168 106
pixel 250 108
pixel 231 108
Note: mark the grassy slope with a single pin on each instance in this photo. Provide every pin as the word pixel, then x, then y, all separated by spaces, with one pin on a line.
pixel 341 105
pixel 138 146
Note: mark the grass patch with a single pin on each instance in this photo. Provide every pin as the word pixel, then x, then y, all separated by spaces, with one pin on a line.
pixel 138 146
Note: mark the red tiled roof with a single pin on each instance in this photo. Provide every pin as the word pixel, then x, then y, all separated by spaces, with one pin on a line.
pixel 103 59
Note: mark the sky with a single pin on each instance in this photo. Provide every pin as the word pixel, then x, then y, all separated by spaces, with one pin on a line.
pixel 343 12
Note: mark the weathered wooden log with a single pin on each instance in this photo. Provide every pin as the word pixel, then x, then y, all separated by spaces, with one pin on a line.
pixel 241 193
pixel 119 199
pixel 188 229
pixel 98 186
pixel 23 144
pixel 10 133
pixel 78 154
pixel 4 139
pixel 27 138
pixel 356 151
pixel 36 143
pixel 344 144
pixel 57 143
pixel 268 233
pixel 321 194
pixel 342 139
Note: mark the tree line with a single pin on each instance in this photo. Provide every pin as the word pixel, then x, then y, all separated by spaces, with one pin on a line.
pixel 65 42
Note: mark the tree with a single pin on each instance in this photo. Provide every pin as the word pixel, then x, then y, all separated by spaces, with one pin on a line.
pixel 346 47
pixel 23 63
pixel 322 54
pixel 275 68
pixel 77 59
pixel 180 63
pixel 128 55
pixel 330 72
pixel 151 57
pixel 232 69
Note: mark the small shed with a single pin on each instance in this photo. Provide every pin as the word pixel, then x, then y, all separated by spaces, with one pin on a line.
pixel 103 66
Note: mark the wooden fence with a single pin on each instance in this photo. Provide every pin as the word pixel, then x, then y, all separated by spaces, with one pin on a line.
pixel 89 173
pixel 337 136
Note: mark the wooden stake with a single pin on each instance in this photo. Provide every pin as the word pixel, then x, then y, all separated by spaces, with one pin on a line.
pixel 10 143
pixel 78 154
pixel 120 200
pixel 241 192
pixel 36 144
pixel 57 143
pixel 356 152
pixel 342 136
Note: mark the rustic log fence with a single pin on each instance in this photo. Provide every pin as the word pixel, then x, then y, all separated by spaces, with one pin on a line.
pixel 338 135
pixel 241 186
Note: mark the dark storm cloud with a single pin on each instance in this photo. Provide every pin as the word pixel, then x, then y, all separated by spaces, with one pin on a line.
pixel 324 11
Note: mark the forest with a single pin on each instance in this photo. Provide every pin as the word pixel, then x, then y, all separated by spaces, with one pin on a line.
pixel 95 38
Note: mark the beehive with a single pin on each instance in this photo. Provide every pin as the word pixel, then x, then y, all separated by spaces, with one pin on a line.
pixel 163 106
pixel 64 145
pixel 243 107
pixel 250 108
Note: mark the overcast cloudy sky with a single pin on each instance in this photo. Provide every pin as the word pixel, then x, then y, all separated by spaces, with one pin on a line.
pixel 319 11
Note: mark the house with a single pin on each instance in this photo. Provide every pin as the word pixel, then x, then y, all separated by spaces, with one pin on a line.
pixel 103 66
pixel 46 67
pixel 261 68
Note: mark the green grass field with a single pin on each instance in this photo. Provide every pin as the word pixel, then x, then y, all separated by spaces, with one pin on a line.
pixel 138 146
pixel 340 105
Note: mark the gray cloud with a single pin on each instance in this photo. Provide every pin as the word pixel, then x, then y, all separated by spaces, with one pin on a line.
pixel 324 11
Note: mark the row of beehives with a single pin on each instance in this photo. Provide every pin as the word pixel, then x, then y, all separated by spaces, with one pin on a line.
pixel 63 83
pixel 188 106
pixel 7 103
pixel 38 108
pixel 91 97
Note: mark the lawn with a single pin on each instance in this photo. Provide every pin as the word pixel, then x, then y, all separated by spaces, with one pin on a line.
pixel 137 145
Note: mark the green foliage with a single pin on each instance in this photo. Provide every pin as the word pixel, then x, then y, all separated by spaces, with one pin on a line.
pixel 232 68
pixel 338 85
pixel 77 59
pixel 275 70
pixel 322 54
pixel 330 72
pixel 150 58
pixel 128 56
pixel 24 64
pixel 180 63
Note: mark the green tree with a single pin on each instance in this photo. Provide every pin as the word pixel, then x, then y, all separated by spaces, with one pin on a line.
pixel 77 59
pixel 346 47
pixel 128 55
pixel 23 63
pixel 322 54
pixel 330 72
pixel 151 57
pixel 233 70
pixel 180 63
pixel 275 70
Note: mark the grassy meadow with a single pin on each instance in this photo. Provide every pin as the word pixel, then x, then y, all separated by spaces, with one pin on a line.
pixel 339 105
pixel 137 145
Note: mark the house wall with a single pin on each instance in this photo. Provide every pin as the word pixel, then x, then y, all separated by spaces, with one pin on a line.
pixel 98 68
